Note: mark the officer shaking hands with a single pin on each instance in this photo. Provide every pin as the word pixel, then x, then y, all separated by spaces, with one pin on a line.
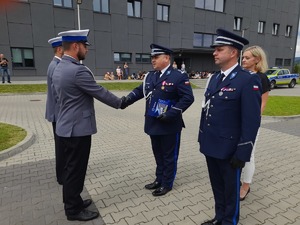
pixel 228 126
pixel 76 89
pixel 168 94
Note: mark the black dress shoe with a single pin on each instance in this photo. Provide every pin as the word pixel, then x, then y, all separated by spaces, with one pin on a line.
pixel 87 203
pixel 243 198
pixel 212 222
pixel 84 215
pixel 153 185
pixel 161 191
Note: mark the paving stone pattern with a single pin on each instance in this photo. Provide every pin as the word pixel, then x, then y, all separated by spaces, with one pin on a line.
pixel 121 163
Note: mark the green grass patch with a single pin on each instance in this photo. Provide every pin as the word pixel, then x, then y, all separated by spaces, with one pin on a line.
pixel 23 88
pixel 42 88
pixel 10 135
pixel 282 106
pixel 120 86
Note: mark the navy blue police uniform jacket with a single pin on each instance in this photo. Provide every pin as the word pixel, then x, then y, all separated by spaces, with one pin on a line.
pixel 172 85
pixel 231 115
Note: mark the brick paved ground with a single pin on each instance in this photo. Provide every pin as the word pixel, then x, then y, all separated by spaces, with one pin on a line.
pixel 121 163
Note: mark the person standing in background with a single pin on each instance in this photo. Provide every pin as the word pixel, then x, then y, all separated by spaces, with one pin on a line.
pixel 119 73
pixel 174 65
pixel 183 67
pixel 4 69
pixel 52 105
pixel 126 71
pixel 254 59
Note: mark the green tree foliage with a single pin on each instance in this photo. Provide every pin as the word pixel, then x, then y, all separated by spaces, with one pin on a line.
pixel 297 68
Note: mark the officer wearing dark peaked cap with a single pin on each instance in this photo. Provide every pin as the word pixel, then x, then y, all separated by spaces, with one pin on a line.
pixel 168 94
pixel 229 123
pixel 52 104
pixel 76 89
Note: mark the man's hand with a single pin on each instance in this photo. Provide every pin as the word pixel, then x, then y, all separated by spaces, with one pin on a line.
pixel 236 163
pixel 163 117
pixel 124 102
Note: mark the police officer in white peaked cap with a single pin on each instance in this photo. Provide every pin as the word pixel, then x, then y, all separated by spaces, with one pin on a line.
pixel 52 104
pixel 229 123
pixel 55 42
pixel 76 89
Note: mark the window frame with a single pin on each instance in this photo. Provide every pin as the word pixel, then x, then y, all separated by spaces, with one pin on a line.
pixel 141 58
pixel 237 23
pixel 134 10
pixel 261 27
pixel 23 63
pixel 63 4
pixel 100 2
pixel 204 43
pixel 278 60
pixel 288 31
pixel 162 12
pixel 287 62
pixel 122 59
pixel 275 29
pixel 215 5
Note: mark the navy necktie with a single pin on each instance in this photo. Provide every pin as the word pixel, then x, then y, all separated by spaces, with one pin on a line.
pixel 220 79
pixel 158 73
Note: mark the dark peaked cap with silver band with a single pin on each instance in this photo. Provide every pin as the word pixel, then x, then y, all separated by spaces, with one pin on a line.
pixel 158 50
pixel 225 37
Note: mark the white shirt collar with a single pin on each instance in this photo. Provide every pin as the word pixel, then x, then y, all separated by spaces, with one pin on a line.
pixel 164 70
pixel 228 71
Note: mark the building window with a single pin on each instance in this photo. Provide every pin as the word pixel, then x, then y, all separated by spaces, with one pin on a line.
pixel 22 57
pixel 122 57
pixel 237 23
pixel 288 31
pixel 203 40
pixel 142 58
pixel 214 5
pixel 261 27
pixel 278 62
pixel 287 62
pixel 163 12
pixel 275 29
pixel 63 3
pixel 134 8
pixel 101 6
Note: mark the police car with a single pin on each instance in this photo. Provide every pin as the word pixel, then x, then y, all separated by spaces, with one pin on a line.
pixel 279 76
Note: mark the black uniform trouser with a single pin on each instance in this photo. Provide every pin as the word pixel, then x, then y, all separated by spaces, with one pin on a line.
pixel 77 152
pixel 166 149
pixel 225 182
pixel 59 156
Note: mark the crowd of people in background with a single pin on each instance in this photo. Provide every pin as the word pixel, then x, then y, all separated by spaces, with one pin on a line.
pixel 123 74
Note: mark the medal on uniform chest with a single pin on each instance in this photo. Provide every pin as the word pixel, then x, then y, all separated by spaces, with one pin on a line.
pixel 163 85
pixel 220 93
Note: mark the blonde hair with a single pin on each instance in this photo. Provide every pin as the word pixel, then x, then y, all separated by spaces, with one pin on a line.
pixel 260 54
